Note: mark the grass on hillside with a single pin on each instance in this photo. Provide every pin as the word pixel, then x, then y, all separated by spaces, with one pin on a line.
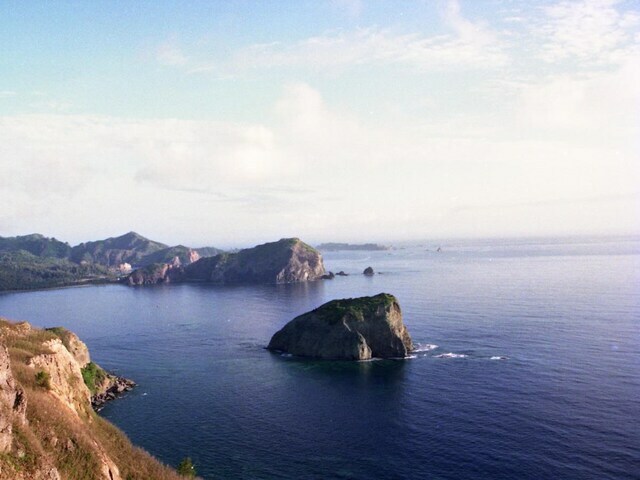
pixel 54 435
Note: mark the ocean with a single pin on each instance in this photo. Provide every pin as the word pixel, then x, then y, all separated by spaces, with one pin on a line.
pixel 543 380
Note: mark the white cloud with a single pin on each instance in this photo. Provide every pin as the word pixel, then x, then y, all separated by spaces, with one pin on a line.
pixel 601 103
pixel 314 171
pixel 592 31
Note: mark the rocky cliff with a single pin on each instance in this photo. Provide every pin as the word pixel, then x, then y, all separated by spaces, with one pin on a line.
pixel 12 402
pixel 349 329
pixel 48 429
pixel 285 261
pixel 149 275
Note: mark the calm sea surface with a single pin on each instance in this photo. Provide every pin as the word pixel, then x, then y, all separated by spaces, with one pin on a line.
pixel 564 404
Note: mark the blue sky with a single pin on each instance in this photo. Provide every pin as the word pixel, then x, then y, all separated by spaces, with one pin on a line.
pixel 235 122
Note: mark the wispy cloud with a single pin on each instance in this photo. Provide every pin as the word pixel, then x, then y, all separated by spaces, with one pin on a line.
pixel 592 31
pixel 468 46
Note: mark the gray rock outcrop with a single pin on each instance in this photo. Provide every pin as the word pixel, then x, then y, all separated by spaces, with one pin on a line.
pixel 349 329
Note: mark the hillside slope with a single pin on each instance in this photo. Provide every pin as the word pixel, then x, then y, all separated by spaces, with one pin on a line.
pixel 128 248
pixel 48 430
pixel 35 261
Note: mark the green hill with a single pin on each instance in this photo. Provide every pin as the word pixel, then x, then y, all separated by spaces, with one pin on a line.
pixel 37 245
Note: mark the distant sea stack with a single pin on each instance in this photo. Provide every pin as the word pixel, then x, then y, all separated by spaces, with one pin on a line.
pixel 368 271
pixel 288 260
pixel 348 329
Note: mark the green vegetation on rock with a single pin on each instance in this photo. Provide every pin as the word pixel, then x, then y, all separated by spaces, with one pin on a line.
pixel 358 308
pixel 93 376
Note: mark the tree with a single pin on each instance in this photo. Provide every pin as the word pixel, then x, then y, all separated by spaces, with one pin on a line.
pixel 186 468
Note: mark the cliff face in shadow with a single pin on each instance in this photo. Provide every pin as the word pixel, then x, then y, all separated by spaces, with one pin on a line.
pixel 48 429
pixel 285 261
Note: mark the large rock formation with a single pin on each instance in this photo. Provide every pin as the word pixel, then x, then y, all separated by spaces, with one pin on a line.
pixel 58 436
pixel 349 329
pixel 285 261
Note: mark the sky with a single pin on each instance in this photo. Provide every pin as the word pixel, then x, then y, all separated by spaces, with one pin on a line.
pixel 233 123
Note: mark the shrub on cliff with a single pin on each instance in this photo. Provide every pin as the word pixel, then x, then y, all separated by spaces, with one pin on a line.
pixel 93 376
pixel 186 468
pixel 43 380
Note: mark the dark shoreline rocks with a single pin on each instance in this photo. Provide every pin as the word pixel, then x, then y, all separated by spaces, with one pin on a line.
pixel 114 387
pixel 348 329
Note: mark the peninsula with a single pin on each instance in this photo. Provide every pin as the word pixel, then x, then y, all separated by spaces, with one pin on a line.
pixel 48 428
pixel 288 260
pixel 35 261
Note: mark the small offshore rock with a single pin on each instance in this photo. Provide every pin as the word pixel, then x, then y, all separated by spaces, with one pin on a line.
pixel 368 271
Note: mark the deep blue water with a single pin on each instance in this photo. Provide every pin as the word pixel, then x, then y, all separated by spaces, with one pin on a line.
pixel 565 404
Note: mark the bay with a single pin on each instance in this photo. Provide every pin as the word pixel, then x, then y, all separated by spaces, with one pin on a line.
pixel 563 403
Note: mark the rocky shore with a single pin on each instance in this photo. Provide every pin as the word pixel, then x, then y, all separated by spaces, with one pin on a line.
pixel 114 388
